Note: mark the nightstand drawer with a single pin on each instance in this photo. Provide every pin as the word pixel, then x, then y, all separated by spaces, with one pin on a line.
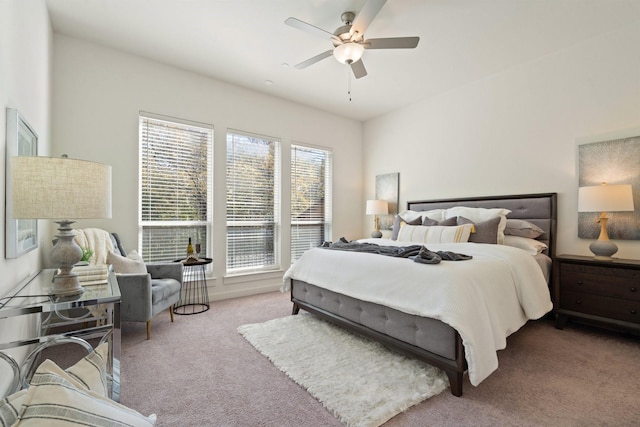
pixel 601 270
pixel 607 285
pixel 597 305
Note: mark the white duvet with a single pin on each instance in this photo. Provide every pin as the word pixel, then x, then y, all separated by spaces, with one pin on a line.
pixel 485 299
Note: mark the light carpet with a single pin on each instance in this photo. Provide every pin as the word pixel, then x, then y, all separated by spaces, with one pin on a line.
pixel 360 381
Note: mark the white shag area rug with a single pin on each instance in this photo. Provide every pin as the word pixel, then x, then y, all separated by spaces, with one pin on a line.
pixel 358 380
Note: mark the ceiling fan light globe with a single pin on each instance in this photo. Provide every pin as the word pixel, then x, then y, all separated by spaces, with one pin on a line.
pixel 348 53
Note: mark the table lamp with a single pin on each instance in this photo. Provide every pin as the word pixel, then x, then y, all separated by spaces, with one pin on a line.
pixel 604 198
pixel 64 190
pixel 377 207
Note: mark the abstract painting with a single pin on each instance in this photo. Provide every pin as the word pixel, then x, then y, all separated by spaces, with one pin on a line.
pixel 616 161
pixel 387 188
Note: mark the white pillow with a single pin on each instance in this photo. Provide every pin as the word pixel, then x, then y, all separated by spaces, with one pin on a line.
pixel 534 247
pixel 435 234
pixel 132 263
pixel 480 215
pixel 437 214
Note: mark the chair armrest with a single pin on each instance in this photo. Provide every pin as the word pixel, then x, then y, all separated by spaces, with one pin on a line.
pixel 165 270
pixel 135 291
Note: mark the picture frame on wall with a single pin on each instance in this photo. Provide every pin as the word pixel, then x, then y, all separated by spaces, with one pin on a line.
pixel 614 161
pixel 387 188
pixel 21 235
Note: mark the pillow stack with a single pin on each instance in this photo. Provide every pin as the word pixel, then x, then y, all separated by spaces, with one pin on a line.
pixel 488 224
pixel 77 396
pixel 461 224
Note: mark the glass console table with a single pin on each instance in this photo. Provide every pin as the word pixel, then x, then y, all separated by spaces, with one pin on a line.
pixel 95 314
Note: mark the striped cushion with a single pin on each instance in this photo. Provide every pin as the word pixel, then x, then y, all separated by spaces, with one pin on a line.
pixel 10 407
pixel 54 400
pixel 90 372
pixel 435 234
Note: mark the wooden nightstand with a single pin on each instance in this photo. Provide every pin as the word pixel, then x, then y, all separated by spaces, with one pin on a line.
pixel 606 292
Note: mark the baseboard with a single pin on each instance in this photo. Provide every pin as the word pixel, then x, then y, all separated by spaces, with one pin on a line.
pixel 218 295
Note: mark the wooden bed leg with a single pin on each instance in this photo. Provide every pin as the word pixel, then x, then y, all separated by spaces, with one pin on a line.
pixel 455 382
pixel 296 309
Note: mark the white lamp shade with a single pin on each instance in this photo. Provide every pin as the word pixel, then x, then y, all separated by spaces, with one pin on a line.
pixel 59 188
pixel 377 207
pixel 605 198
pixel 348 52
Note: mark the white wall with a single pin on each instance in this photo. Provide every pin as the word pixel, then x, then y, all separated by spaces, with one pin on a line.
pixel 98 92
pixel 516 132
pixel 25 58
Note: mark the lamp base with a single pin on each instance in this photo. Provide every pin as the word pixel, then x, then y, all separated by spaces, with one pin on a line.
pixel 65 285
pixel 65 254
pixel 376 234
pixel 603 249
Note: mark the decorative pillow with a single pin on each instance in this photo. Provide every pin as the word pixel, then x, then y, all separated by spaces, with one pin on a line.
pixel 435 234
pixel 90 372
pixel 437 214
pixel 522 228
pixel 445 222
pixel 53 399
pixel 132 263
pixel 534 247
pixel 483 232
pixel 400 222
pixel 482 214
pixel 134 255
pixel 11 406
pixel 415 218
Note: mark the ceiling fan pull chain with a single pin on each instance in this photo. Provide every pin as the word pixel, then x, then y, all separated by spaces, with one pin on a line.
pixel 349 83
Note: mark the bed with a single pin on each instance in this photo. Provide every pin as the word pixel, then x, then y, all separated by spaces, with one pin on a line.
pixel 434 338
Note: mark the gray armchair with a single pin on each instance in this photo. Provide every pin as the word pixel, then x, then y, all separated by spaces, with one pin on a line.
pixel 143 294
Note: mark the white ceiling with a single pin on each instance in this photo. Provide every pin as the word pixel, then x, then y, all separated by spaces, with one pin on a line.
pixel 245 42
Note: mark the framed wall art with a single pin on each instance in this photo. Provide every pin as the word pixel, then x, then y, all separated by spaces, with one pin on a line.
pixel 613 161
pixel 21 235
pixel 387 187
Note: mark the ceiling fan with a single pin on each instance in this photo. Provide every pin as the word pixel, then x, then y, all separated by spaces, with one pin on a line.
pixel 348 40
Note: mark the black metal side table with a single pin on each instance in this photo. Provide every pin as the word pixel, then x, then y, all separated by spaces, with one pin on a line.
pixel 194 297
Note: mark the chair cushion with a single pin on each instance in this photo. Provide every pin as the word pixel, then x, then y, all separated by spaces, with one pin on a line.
pixel 161 289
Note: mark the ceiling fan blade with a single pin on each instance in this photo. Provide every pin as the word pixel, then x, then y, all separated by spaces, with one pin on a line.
pixel 301 25
pixel 315 59
pixel 366 15
pixel 392 43
pixel 358 69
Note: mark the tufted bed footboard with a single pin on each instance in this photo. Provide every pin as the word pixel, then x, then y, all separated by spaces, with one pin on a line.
pixel 428 339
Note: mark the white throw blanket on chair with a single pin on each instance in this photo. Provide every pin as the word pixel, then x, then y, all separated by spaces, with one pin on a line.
pixel 97 239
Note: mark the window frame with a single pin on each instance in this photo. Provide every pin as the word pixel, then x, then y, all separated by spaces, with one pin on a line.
pixel 327 220
pixel 179 246
pixel 275 222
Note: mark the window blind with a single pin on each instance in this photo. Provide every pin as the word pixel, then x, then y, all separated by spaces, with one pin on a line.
pixel 252 202
pixel 175 186
pixel 311 210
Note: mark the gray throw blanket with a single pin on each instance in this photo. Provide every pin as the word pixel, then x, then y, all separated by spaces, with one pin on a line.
pixel 417 253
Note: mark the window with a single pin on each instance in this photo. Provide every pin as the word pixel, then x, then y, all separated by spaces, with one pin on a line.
pixel 175 186
pixel 310 198
pixel 252 202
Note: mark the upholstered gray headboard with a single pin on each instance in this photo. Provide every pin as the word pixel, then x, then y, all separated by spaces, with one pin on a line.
pixel 539 209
